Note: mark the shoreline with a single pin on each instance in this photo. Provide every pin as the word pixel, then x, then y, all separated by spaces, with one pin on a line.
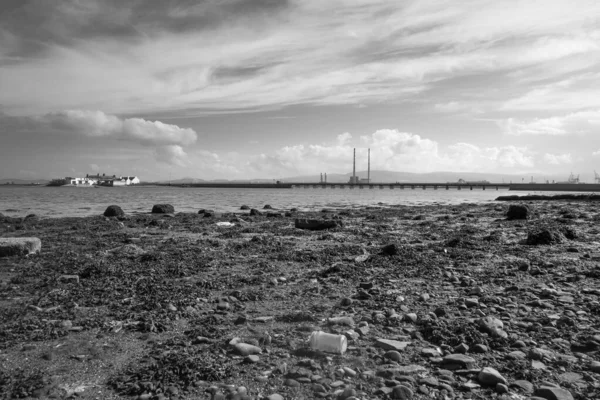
pixel 451 289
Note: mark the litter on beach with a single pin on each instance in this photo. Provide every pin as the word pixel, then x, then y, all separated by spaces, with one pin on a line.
pixel 225 224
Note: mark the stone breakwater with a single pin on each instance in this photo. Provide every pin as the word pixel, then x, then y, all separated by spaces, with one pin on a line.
pixel 436 302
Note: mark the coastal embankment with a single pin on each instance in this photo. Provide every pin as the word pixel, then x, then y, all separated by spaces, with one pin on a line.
pixel 474 301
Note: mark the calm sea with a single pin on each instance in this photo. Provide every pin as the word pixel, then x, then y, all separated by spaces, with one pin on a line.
pixel 72 201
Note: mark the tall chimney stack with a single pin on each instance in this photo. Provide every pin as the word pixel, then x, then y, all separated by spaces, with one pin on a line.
pixel 369 168
pixel 321 181
pixel 354 167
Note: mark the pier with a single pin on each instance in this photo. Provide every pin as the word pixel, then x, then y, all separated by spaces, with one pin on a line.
pixel 359 186
pixel 398 185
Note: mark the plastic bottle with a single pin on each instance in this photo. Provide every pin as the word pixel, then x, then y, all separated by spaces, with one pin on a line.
pixel 328 342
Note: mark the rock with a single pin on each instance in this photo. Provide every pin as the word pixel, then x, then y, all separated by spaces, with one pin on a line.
pixel 315 224
pixel 255 212
pixel 490 377
pixel 492 326
pixel 523 386
pixel 462 348
pixel 267 207
pixel 595 367
pixel 517 211
pixel 480 348
pixel 245 349
pixel 19 246
pixel 401 392
pixel 274 397
pixel 390 249
pixel 544 236
pixel 163 209
pixel 553 393
pixel 114 211
pixel 501 388
pixel 457 361
pixel 388 344
pixel 244 207
pixel 393 355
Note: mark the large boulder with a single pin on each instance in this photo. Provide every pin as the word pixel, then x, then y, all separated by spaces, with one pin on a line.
pixel 19 246
pixel 315 224
pixel 114 211
pixel 517 211
pixel 163 209
pixel 255 212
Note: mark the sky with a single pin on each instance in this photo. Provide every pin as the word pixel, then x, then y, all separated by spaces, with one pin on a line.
pixel 246 89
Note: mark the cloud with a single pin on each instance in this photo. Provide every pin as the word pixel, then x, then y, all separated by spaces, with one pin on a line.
pixel 574 123
pixel 266 53
pixel 167 139
pixel 393 150
pixel 97 123
pixel 95 167
pixel 171 154
pixel 558 159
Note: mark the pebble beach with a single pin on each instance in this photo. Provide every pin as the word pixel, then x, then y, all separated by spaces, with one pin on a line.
pixel 470 301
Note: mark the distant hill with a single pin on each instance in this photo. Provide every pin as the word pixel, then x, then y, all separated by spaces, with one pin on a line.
pixel 380 176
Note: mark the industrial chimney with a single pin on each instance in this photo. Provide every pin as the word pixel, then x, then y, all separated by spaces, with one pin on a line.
pixel 369 168
pixel 354 167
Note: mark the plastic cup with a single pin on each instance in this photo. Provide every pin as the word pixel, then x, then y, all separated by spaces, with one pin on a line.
pixel 328 342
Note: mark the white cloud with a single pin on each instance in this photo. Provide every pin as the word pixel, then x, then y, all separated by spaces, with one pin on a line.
pixel 574 123
pixel 326 52
pixel 97 123
pixel 558 159
pixel 390 150
pixel 171 154
pixel 95 167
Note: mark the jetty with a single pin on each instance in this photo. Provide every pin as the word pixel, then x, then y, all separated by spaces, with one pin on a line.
pixel 331 185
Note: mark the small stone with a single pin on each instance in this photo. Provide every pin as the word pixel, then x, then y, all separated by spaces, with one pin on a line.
pixel 291 383
pixel 480 348
pixel 461 348
pixel 388 344
pixel 393 355
pixel 114 211
pixel 490 377
pixel 390 249
pixel 424 297
pixel 401 392
pixel 163 209
pixel 252 359
pixel 523 386
pixel 553 393
pixel 517 211
pixel 595 367
pixel 501 388
pixel 458 361
pixel 411 317
pixel 275 397
pixel 245 349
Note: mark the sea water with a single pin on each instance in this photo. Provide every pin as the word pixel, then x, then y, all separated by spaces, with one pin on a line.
pixel 74 201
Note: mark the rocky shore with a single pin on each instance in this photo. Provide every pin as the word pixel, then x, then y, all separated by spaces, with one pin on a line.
pixel 495 301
